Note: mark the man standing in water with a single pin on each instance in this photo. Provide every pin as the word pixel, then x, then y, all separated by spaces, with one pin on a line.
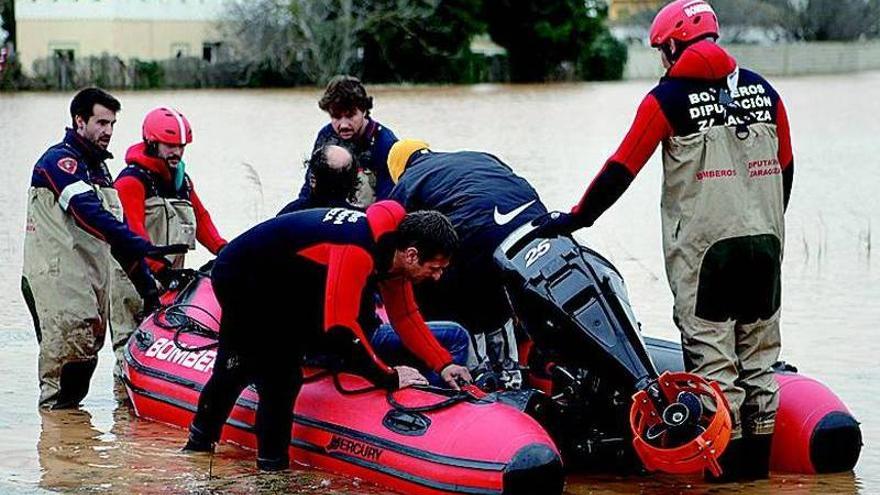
pixel 306 281
pixel 347 103
pixel 74 225
pixel 161 205
pixel 728 171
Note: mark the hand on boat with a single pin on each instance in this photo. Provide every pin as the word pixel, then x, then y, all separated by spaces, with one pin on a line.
pixel 456 375
pixel 407 377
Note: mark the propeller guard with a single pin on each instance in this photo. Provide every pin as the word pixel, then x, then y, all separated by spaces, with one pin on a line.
pixel 696 455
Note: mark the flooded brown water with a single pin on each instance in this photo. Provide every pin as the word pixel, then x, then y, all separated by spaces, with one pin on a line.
pixel 246 163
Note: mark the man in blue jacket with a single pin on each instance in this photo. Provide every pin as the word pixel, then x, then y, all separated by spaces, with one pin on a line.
pixel 485 201
pixel 74 231
pixel 347 103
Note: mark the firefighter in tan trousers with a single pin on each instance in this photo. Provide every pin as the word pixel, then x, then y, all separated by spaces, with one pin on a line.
pixel 74 231
pixel 728 170
pixel 161 205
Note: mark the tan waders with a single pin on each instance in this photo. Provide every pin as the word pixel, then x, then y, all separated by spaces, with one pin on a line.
pixel 722 211
pixel 366 190
pixel 66 277
pixel 168 221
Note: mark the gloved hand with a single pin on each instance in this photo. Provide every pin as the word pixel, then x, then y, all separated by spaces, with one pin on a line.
pixel 172 278
pixel 159 252
pixel 151 303
pixel 455 376
pixel 556 223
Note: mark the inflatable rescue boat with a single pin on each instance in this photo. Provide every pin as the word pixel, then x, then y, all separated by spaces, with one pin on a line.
pixel 418 441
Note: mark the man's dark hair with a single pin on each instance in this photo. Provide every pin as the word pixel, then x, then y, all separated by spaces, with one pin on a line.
pixel 84 102
pixel 344 94
pixel 333 184
pixel 430 232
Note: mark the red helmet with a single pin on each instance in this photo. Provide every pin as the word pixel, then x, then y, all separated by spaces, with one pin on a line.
pixel 683 20
pixel 167 125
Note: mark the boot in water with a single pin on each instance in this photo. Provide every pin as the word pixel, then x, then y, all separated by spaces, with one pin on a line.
pixel 274 464
pixel 756 457
pixel 198 443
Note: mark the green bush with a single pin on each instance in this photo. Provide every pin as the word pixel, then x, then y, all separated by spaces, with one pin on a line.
pixel 147 75
pixel 603 60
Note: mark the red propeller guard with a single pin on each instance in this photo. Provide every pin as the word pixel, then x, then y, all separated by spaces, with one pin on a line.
pixel 700 453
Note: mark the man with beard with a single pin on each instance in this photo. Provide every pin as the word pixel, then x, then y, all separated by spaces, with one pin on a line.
pixel 347 103
pixel 161 205
pixel 74 230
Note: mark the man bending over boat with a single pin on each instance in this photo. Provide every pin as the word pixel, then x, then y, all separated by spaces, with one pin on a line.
pixel 333 180
pixel 485 201
pixel 304 281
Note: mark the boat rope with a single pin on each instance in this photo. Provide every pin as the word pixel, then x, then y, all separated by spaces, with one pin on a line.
pixel 175 318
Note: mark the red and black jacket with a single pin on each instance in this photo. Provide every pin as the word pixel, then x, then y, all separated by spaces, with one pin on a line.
pixel 686 101
pixel 147 177
pixel 336 252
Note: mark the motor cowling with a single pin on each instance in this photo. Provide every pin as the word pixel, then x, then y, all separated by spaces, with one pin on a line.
pixel 570 299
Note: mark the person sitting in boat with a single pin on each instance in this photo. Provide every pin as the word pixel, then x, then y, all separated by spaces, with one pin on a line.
pixel 305 281
pixel 333 181
pixel 160 205
pixel 348 104
pixel 485 201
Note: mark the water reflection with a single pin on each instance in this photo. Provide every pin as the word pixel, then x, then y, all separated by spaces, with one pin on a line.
pixel 844 483
pixel 138 456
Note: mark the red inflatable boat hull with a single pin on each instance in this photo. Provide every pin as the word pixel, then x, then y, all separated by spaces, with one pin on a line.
pixel 343 425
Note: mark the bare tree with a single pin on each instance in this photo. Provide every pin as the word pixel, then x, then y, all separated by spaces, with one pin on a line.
pixel 321 38
pixel 830 20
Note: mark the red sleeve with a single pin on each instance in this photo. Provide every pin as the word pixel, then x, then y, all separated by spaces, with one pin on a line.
pixel 648 130
pixel 348 268
pixel 397 294
pixel 206 231
pixel 132 196
pixel 786 157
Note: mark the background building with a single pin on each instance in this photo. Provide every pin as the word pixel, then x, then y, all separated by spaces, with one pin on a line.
pixel 142 29
pixel 621 9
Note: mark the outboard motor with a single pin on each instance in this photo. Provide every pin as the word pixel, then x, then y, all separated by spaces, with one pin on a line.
pixel 608 400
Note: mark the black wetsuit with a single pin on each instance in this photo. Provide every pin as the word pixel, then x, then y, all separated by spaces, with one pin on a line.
pixel 292 284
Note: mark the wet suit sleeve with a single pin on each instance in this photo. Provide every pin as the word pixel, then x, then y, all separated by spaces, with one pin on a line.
pixel 648 130
pixel 206 231
pixel 400 303
pixel 348 268
pixel 786 156
pixel 77 198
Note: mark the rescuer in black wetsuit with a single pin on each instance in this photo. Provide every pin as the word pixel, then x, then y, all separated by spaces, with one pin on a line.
pixel 306 280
